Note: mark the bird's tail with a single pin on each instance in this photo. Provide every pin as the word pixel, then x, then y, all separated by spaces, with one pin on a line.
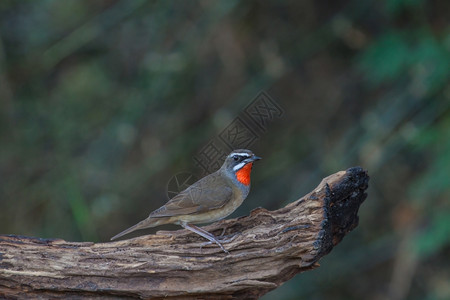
pixel 147 223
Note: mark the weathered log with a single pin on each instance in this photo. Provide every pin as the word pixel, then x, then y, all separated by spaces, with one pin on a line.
pixel 266 249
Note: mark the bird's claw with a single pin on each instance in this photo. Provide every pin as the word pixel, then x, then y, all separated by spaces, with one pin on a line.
pixel 219 241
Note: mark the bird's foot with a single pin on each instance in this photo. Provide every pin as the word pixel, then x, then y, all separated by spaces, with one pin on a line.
pixel 217 242
pixel 221 239
pixel 205 234
pixel 227 238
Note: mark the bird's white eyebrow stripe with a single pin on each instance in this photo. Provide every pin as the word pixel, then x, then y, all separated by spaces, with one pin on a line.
pixel 238 166
pixel 241 154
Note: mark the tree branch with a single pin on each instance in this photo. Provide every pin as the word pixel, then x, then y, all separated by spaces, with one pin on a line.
pixel 267 249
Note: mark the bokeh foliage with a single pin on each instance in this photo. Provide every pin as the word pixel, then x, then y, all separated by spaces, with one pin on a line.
pixel 102 102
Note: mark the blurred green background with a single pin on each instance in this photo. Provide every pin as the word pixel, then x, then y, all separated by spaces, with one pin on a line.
pixel 102 102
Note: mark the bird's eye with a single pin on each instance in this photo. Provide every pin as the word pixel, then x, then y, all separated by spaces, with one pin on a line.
pixel 236 157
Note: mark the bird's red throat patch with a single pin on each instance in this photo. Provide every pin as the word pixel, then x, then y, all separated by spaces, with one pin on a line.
pixel 243 174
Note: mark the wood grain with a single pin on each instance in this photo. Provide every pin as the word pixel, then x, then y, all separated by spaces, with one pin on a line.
pixel 266 248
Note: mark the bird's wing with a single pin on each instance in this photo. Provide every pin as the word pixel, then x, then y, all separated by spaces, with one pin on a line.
pixel 202 196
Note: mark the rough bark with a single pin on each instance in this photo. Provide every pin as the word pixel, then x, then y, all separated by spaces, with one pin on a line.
pixel 268 248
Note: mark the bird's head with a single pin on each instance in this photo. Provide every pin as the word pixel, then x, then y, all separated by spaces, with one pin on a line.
pixel 239 164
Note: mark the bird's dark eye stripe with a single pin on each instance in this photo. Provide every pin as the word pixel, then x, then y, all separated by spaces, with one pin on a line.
pixel 237 157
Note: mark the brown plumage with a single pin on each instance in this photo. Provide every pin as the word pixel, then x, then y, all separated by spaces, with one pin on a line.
pixel 212 198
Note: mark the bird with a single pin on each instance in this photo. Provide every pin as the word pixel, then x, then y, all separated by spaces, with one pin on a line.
pixel 210 199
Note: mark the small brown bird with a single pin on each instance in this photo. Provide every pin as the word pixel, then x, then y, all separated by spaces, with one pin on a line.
pixel 212 198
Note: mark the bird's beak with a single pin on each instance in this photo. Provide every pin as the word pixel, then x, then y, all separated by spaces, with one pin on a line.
pixel 254 158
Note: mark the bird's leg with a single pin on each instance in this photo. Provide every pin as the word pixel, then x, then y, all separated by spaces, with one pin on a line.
pixel 222 238
pixel 223 232
pixel 226 238
pixel 204 234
